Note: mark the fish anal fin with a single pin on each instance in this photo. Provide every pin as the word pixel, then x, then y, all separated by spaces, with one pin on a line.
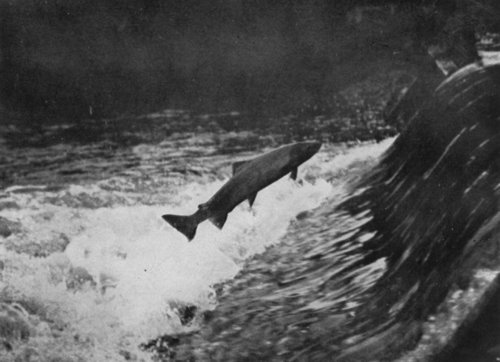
pixel 251 199
pixel 237 166
pixel 293 174
pixel 219 220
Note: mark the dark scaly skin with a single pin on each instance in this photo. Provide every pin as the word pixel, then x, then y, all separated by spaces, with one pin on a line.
pixel 256 175
pixel 250 178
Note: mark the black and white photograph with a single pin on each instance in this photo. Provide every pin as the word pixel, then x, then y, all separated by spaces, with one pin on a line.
pixel 249 180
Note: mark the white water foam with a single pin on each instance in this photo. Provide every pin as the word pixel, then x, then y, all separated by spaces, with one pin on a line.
pixel 142 268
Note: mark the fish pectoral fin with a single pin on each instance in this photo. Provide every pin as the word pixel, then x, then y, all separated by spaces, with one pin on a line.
pixel 237 166
pixel 219 220
pixel 251 199
pixel 293 174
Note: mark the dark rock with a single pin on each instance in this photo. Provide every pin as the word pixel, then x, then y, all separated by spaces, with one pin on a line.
pixel 187 313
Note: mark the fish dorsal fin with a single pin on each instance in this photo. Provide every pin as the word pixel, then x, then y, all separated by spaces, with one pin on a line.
pixel 237 166
pixel 293 174
pixel 219 220
pixel 251 199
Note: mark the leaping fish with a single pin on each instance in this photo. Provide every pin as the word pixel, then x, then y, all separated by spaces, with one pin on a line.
pixel 249 177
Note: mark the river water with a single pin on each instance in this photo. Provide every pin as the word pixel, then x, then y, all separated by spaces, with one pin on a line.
pixel 95 269
pixel 379 251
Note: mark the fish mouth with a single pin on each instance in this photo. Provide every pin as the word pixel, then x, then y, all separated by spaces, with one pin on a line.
pixel 313 147
pixel 306 150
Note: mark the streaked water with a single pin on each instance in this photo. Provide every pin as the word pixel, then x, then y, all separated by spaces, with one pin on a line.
pixel 396 271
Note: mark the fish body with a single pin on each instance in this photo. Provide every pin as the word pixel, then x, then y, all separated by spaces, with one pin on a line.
pixel 249 177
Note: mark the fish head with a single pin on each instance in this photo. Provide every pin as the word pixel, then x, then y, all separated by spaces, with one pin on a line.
pixel 303 151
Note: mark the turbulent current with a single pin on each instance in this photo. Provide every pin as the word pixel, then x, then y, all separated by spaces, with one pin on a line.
pixel 97 273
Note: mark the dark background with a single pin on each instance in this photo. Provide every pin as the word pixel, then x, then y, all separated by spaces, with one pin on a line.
pixel 77 59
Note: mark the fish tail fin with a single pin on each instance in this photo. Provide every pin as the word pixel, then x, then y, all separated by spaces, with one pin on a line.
pixel 185 224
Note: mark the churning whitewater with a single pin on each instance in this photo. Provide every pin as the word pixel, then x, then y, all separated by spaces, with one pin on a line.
pixel 98 260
